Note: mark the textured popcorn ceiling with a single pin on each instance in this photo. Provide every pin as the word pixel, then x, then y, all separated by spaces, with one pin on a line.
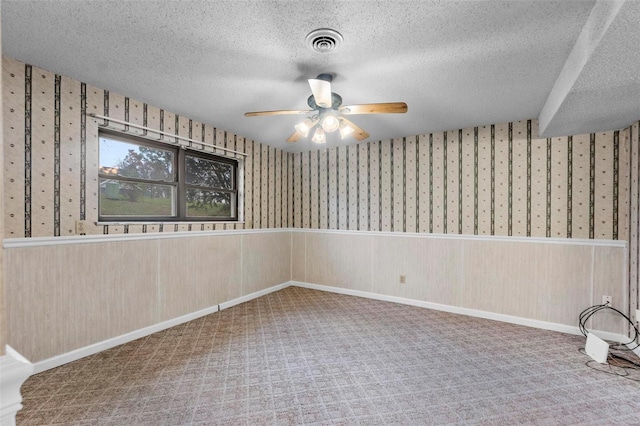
pixel 455 63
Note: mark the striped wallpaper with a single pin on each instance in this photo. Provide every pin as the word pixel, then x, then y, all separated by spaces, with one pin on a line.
pixel 491 180
pixel 497 179
pixel 51 157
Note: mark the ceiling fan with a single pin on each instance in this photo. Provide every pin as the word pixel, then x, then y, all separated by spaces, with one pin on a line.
pixel 327 113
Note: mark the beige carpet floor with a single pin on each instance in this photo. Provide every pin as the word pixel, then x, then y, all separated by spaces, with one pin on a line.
pixel 301 356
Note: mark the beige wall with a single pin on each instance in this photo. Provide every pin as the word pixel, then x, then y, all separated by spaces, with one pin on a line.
pixel 62 297
pixel 538 279
pixel 66 296
pixel 500 180
pixel 491 180
pixel 634 223
pixel 69 294
pixel 3 326
pixel 52 172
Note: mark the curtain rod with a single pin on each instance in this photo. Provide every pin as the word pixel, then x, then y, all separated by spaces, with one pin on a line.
pixel 160 132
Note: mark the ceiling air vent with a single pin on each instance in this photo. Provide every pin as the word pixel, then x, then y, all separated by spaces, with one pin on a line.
pixel 323 40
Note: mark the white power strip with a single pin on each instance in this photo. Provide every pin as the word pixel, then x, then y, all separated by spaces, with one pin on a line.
pixel 597 348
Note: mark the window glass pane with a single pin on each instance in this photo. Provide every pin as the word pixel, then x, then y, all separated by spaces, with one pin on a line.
pixel 122 198
pixel 203 172
pixel 135 161
pixel 209 203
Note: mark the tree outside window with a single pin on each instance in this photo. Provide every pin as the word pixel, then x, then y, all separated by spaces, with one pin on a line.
pixel 141 180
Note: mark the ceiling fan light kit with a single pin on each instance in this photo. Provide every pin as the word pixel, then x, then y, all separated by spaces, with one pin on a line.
pixel 319 136
pixel 345 129
pixel 328 112
pixel 304 127
pixel 330 123
pixel 326 106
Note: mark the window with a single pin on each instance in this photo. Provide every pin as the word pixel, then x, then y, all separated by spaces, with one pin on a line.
pixel 142 180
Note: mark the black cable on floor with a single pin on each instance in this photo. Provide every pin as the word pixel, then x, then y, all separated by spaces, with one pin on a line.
pixel 613 367
pixel 592 310
pixel 618 364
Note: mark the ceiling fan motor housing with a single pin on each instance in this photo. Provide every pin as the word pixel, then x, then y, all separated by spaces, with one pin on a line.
pixel 336 101
pixel 325 77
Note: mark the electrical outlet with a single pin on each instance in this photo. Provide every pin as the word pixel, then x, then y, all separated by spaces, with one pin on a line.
pixel 606 300
pixel 403 279
pixel 81 227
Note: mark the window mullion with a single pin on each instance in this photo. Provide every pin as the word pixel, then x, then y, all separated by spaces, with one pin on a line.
pixel 182 185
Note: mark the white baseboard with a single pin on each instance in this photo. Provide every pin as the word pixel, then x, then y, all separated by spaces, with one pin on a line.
pixel 15 370
pixel 563 328
pixel 76 354
pixel 255 295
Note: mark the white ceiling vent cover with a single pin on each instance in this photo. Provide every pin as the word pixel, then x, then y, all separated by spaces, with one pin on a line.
pixel 323 40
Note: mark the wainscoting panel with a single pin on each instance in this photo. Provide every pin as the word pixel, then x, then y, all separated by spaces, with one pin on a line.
pixel 569 282
pixel 196 273
pixel 431 267
pixel 609 274
pixel 298 256
pixel 338 259
pixel 266 260
pixel 544 279
pixel 63 297
pixel 504 277
pixel 68 293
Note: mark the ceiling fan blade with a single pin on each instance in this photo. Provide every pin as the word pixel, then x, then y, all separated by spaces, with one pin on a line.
pixel 358 133
pixel 321 90
pixel 382 108
pixel 277 112
pixel 294 137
